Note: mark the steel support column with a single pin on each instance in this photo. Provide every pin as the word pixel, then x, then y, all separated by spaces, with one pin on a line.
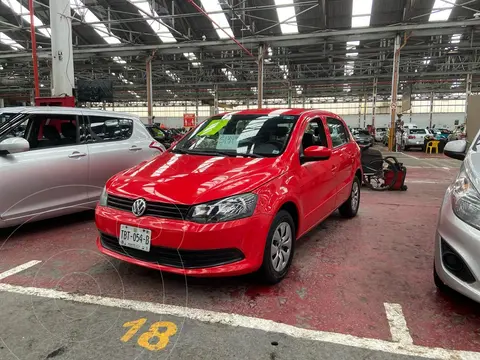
pixel 290 94
pixel 148 70
pixel 393 103
pixel 63 80
pixel 261 56
pixel 374 100
pixel 215 99
pixel 468 92
pixel 431 110
pixel 364 112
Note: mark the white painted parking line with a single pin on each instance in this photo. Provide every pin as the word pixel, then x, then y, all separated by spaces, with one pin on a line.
pixel 249 323
pixel 398 324
pixel 18 269
pixel 410 156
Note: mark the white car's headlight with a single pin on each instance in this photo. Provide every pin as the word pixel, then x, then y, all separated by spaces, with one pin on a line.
pixel 232 208
pixel 466 200
pixel 103 198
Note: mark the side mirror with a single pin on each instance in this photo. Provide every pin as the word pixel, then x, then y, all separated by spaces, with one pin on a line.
pixel 456 149
pixel 14 145
pixel 316 153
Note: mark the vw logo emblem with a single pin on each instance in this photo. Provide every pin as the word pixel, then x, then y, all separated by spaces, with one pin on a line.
pixel 139 207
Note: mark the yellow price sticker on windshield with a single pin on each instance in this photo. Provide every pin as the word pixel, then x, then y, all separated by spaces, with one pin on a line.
pixel 213 127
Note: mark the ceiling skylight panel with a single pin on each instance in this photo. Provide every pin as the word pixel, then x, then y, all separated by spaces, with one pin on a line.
pixel 7 40
pixel 193 59
pixel 361 13
pixel 158 26
pixel 441 10
pixel 214 11
pixel 286 16
pixel 22 11
pixel 349 68
pixel 89 17
pixel 456 38
pixel 284 69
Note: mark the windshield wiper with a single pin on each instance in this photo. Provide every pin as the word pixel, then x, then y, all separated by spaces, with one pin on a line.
pixel 214 153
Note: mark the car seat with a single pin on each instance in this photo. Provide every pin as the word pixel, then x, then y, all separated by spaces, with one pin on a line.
pixel 52 136
pixel 69 132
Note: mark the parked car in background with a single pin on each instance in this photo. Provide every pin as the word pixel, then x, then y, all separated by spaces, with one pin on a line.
pixel 380 133
pixel 441 134
pixel 234 195
pixel 59 163
pixel 414 137
pixel 163 136
pixel 457 240
pixel 363 137
pixel 459 133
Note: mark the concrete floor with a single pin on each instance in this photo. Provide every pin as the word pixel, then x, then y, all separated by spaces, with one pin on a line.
pixel 331 305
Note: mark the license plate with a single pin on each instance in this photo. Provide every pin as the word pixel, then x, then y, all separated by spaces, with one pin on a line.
pixel 135 238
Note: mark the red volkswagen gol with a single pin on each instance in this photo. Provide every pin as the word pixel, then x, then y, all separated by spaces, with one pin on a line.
pixel 233 195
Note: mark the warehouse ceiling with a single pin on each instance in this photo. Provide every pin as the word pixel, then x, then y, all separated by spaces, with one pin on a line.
pixel 312 48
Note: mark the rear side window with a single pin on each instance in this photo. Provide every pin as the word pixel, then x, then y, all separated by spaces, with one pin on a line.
pixel 338 132
pixel 418 131
pixel 110 128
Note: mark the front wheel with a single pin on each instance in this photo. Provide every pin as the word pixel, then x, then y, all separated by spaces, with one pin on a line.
pixel 279 248
pixel 349 208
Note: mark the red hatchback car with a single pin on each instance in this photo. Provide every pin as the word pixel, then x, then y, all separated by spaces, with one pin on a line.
pixel 233 195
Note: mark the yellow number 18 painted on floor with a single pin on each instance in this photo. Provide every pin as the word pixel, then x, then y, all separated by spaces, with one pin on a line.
pixel 145 340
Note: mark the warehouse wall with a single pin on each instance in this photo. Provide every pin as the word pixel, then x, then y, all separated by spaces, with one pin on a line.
pixel 383 120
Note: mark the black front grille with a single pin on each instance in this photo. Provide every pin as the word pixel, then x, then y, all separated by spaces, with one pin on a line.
pixel 157 209
pixel 186 259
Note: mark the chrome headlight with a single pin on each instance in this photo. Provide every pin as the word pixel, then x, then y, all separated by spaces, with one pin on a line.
pixel 103 198
pixel 232 208
pixel 466 200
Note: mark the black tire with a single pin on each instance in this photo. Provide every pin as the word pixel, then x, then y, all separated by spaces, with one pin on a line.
pixel 267 271
pixel 438 282
pixel 348 209
pixel 406 148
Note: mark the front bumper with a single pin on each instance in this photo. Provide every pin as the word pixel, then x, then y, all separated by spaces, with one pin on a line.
pixel 245 238
pixel 465 241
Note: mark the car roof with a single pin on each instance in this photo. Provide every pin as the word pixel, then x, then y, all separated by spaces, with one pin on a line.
pixel 277 111
pixel 64 111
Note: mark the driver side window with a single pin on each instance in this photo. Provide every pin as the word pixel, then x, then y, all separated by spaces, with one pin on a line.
pixel 314 135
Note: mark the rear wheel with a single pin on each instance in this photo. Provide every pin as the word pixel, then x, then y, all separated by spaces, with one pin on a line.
pixel 279 248
pixel 349 208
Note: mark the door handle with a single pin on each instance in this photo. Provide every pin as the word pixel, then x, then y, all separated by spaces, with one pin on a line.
pixel 76 155
pixel 135 148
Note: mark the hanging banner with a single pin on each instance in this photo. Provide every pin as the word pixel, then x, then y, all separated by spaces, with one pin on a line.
pixel 189 120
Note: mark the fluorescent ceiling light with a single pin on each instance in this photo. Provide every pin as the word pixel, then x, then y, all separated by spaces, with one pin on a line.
pixel 299 89
pixel 7 40
pixel 89 18
pixel 441 10
pixel 284 68
pixel 361 13
pixel 352 45
pixel 118 60
pixel 426 60
pixel 215 12
pixel 254 89
pixel 211 92
pixel 353 54
pixel 349 68
pixel 229 74
pixel 158 26
pixel 286 16
pixel 455 38
pixel 23 12
pixel 193 59
pixel 172 75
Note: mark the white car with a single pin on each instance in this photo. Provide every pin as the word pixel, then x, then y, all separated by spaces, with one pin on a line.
pixel 415 137
pixel 380 133
pixel 55 161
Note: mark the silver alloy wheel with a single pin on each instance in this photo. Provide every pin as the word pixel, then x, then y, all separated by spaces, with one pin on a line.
pixel 355 196
pixel 281 246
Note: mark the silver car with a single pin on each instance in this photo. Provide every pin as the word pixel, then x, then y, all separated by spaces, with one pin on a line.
pixel 55 161
pixel 457 242
pixel 415 138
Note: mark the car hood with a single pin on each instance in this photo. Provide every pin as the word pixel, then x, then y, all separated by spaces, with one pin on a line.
pixel 193 179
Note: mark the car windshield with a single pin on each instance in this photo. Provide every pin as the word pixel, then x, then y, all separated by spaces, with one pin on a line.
pixel 240 135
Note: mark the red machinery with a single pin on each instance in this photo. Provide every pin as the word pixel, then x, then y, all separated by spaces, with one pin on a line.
pixel 66 101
